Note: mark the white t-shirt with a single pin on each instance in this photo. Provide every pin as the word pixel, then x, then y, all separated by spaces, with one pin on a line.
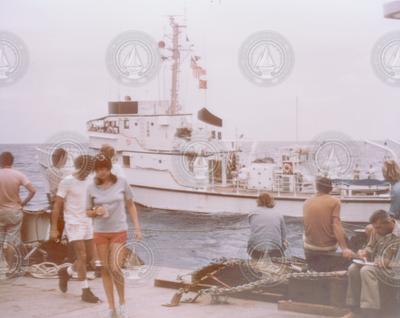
pixel 74 193
pixel 54 177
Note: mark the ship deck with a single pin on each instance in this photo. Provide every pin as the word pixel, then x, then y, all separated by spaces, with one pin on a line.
pixel 298 196
pixel 30 297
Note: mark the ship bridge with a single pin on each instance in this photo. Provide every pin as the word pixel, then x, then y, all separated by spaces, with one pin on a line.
pixel 148 126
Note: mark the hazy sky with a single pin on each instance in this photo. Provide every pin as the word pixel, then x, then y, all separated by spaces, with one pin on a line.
pixel 67 82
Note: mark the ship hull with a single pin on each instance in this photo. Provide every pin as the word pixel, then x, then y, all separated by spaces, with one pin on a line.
pixel 355 210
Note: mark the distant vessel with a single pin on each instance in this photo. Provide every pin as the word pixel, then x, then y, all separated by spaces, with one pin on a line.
pixel 176 160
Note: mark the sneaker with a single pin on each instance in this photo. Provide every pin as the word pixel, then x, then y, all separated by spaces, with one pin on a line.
pixel 63 278
pixel 122 313
pixel 112 314
pixel 89 297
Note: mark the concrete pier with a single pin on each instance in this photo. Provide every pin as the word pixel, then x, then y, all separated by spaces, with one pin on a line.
pixel 30 297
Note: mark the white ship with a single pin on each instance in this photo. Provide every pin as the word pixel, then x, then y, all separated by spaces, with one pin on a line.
pixel 175 160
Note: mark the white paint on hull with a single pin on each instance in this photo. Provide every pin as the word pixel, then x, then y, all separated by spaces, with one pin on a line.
pixel 357 210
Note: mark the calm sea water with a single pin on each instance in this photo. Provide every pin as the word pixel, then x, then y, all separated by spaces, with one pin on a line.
pixel 175 239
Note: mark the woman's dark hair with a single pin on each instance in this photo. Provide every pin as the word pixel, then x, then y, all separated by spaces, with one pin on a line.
pixel 108 151
pixel 6 159
pixel 324 185
pixel 58 156
pixel 101 161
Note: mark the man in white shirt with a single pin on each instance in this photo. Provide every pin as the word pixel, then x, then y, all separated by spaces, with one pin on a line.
pixel 72 197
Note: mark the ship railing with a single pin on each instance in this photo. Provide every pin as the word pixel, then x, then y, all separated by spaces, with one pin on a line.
pixel 291 184
pixel 346 190
pixel 281 185
pixel 104 129
pixel 103 126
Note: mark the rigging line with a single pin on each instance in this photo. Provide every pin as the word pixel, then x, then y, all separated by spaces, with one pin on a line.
pixel 159 88
pixel 163 80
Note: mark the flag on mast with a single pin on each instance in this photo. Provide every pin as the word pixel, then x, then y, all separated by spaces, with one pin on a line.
pixel 202 84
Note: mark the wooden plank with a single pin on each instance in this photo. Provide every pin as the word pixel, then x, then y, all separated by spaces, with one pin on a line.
pixel 163 283
pixel 312 309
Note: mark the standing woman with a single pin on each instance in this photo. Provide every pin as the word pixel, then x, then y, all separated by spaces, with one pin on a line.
pixel 391 173
pixel 109 197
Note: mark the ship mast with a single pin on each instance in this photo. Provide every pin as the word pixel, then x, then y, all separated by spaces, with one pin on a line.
pixel 174 107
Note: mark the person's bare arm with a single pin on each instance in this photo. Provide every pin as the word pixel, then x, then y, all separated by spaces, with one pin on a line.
pixel 57 208
pixel 367 251
pixel 31 192
pixel 340 234
pixel 285 243
pixel 134 217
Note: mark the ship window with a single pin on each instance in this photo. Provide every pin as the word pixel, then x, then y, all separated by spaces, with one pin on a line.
pixel 160 161
pixel 152 123
pixel 213 134
pixel 126 123
pixel 136 124
pixel 126 160
pixel 219 135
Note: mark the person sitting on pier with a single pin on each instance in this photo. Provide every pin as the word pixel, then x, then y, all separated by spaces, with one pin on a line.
pixel 323 230
pixel 391 174
pixel 267 229
pixel 382 249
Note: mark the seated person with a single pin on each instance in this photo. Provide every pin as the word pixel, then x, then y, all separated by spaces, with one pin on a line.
pixel 323 230
pixel 382 249
pixel 267 229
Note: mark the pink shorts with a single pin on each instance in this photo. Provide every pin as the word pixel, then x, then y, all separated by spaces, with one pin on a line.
pixel 110 237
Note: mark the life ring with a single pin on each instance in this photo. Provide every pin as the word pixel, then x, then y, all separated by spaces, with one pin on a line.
pixel 287 168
